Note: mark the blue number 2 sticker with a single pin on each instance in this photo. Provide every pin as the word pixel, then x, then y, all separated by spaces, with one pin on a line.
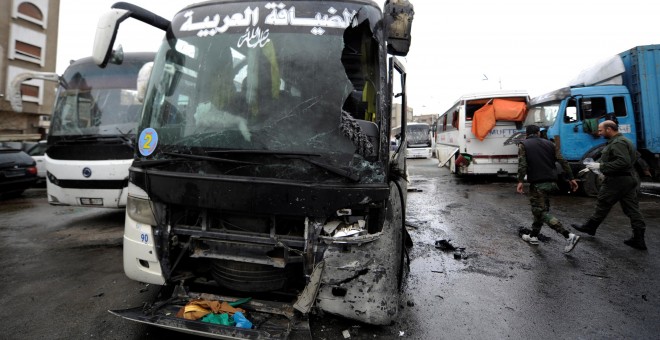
pixel 148 141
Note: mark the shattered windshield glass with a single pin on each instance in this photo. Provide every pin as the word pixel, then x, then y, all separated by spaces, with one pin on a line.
pixel 260 76
pixel 543 114
pixel 418 134
pixel 97 101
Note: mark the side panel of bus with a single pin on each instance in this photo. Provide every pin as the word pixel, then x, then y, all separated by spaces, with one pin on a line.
pixel 447 141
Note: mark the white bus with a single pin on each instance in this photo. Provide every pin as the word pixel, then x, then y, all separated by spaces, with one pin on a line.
pixel 92 134
pixel 470 135
pixel 419 139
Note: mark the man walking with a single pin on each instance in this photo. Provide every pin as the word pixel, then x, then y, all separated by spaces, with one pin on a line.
pixel 621 184
pixel 536 159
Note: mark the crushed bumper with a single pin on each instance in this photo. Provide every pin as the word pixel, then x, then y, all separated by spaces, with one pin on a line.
pixel 272 320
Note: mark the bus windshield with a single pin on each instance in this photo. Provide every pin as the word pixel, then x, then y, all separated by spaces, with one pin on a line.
pixel 418 134
pixel 543 114
pixel 278 86
pixel 98 101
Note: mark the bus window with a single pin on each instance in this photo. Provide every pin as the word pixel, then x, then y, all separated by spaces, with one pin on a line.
pixel 454 121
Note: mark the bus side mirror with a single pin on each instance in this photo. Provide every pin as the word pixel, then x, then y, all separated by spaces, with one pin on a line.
pixel 398 24
pixel 106 32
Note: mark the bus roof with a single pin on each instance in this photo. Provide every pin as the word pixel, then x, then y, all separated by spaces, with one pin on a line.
pixel 494 94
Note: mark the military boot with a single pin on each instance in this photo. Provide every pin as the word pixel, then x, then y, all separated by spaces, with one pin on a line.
pixel 637 241
pixel 588 227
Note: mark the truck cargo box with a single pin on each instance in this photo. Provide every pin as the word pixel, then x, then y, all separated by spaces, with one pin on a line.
pixel 642 78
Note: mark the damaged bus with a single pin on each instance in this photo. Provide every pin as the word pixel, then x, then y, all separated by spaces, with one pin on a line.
pixel 263 177
pixel 470 135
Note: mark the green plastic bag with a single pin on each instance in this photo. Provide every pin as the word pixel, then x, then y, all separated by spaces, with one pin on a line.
pixel 220 319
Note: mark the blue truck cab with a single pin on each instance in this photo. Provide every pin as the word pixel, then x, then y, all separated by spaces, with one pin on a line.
pixel 624 88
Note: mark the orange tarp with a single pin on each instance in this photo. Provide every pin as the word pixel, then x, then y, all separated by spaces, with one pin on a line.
pixel 485 118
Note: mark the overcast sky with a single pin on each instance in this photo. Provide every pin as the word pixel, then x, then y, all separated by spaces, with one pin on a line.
pixel 458 47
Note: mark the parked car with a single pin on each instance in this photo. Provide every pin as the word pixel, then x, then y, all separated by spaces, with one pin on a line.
pixel 37 153
pixel 18 171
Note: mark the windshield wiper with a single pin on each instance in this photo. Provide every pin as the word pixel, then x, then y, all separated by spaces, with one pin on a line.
pixel 331 168
pixel 264 152
pixel 206 158
pixel 93 138
pixel 180 157
pixel 126 135
pixel 304 156
pixel 146 163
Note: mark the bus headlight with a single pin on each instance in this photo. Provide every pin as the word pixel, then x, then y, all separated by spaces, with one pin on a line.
pixel 52 178
pixel 139 210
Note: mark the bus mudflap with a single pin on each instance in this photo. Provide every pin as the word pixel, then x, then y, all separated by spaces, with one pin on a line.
pixel 270 320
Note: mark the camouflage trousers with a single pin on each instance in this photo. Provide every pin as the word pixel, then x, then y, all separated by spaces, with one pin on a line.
pixel 625 190
pixel 539 199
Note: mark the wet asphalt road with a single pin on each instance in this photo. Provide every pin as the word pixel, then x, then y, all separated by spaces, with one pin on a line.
pixel 62 270
pixel 507 288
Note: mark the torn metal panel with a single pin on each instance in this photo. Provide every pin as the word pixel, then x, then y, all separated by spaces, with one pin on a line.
pixel 360 281
pixel 307 298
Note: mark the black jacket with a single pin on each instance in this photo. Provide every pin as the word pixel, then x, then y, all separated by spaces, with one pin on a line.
pixel 540 158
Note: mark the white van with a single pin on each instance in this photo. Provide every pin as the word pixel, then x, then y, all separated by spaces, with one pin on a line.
pixel 470 135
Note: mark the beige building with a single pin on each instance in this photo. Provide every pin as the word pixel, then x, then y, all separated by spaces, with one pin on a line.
pixel 28 43
pixel 396 114
pixel 427 118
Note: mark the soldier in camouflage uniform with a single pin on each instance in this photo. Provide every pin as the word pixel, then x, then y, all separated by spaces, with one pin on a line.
pixel 621 184
pixel 536 159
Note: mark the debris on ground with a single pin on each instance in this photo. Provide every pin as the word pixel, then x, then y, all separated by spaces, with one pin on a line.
pixel 444 245
pixel 408 225
pixel 346 334
pixel 460 254
pixel 597 275
pixel 522 231
pixel 413 189
pixel 145 289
